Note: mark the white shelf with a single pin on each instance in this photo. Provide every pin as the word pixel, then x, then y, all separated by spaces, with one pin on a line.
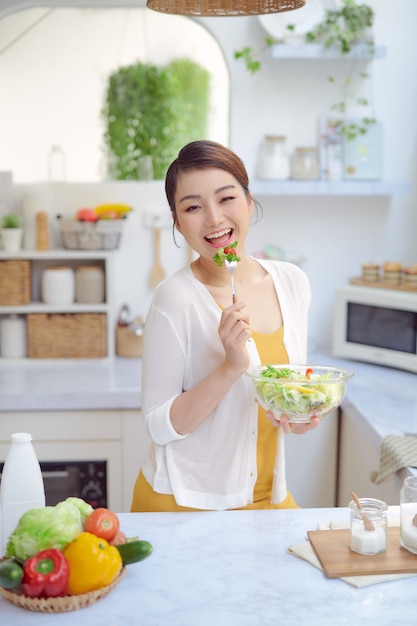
pixel 57 253
pixel 316 51
pixel 40 307
pixel 327 188
pixel 40 260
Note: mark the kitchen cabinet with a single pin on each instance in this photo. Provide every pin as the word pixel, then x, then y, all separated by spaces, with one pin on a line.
pixel 311 462
pixel 117 437
pixel 358 460
pixel 39 260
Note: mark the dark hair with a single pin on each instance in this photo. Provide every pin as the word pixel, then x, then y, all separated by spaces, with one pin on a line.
pixel 200 155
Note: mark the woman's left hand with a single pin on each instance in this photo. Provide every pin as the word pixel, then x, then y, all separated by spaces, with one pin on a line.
pixel 290 427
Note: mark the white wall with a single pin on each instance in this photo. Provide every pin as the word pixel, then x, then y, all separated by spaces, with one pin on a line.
pixel 334 234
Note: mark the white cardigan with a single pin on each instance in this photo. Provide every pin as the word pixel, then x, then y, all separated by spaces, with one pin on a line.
pixel 214 466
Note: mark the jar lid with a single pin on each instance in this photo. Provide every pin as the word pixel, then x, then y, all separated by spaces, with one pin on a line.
pixel 276 137
pixel 89 268
pixel 306 149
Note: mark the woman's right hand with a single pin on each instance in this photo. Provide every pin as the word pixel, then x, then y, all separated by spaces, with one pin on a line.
pixel 234 331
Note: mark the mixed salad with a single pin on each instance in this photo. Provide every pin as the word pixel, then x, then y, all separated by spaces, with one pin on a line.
pixel 289 392
pixel 228 253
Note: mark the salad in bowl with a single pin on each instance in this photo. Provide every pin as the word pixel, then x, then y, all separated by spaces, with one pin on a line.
pixel 300 392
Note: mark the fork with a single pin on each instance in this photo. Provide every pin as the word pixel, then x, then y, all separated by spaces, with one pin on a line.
pixel 231 266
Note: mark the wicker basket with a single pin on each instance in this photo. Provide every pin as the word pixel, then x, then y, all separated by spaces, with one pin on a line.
pixel 15 282
pixel 62 604
pixel 100 235
pixel 66 335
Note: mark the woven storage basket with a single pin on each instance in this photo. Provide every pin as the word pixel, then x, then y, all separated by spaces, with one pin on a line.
pixel 66 335
pixel 15 282
pixel 100 235
pixel 62 604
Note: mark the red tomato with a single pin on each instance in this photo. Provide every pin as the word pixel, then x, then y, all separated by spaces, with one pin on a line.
pixel 309 371
pixel 230 251
pixel 102 523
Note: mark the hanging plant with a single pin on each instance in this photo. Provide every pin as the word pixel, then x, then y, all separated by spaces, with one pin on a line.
pixel 153 111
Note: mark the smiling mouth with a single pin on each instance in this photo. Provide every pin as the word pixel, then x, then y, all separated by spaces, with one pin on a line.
pixel 220 238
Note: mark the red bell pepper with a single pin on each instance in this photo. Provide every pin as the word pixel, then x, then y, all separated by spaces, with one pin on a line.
pixel 46 574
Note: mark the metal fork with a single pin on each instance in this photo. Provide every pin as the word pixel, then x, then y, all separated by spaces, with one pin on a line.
pixel 231 266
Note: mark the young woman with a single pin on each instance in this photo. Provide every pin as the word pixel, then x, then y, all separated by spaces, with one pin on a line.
pixel 213 447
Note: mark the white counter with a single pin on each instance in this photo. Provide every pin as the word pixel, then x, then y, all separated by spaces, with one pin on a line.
pixel 54 385
pixel 382 400
pixel 233 569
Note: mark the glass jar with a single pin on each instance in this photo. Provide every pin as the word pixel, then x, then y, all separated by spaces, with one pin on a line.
pixel 273 160
pixel 365 541
pixel 408 514
pixel 305 164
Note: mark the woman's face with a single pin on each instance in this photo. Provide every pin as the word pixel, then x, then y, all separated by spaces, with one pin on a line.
pixel 213 210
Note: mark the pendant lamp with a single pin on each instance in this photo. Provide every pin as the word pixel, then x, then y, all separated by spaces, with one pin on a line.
pixel 223 8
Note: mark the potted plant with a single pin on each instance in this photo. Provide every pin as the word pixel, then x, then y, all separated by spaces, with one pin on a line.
pixel 150 112
pixel 11 232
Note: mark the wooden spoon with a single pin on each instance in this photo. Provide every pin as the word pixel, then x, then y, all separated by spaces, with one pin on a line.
pixel 366 521
pixel 157 272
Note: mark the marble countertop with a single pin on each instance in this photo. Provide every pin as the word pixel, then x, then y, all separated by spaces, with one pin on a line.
pixel 53 385
pixel 232 569
pixel 379 399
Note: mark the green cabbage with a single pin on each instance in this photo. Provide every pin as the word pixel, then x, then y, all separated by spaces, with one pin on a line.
pixel 47 527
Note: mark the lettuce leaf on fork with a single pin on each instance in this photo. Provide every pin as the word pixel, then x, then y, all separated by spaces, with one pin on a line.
pixel 228 253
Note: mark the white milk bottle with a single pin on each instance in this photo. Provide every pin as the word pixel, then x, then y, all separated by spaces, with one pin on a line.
pixel 21 486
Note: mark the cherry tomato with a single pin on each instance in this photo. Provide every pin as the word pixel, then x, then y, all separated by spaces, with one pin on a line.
pixel 102 523
pixel 309 371
pixel 230 251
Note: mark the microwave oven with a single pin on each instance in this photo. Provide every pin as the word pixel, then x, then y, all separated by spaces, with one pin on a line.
pixel 376 325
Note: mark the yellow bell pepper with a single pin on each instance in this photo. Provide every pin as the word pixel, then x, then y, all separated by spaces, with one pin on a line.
pixel 93 563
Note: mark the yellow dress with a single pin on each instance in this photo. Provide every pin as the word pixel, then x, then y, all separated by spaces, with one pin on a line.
pixel 271 350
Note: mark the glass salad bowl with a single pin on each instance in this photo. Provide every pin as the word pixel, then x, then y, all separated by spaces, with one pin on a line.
pixel 299 392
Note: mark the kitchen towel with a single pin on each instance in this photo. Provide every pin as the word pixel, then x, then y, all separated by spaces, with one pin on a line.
pixel 305 551
pixel 397 451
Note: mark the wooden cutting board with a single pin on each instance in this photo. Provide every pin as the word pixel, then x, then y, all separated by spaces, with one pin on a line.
pixel 337 559
pixel 381 284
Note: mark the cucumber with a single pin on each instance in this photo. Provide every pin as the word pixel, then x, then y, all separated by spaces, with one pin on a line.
pixel 134 551
pixel 11 573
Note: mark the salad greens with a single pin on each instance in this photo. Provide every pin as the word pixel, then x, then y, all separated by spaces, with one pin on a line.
pixel 285 391
pixel 228 253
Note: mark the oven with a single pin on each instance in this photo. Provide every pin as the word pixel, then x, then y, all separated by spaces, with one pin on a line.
pixel 82 479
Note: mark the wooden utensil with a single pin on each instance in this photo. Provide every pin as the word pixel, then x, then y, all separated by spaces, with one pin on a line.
pixel 366 521
pixel 157 272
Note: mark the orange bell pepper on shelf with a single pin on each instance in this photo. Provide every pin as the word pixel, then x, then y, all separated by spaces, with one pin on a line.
pixel 93 563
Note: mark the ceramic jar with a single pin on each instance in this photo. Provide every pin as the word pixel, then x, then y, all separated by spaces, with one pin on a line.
pixel 58 285
pixel 13 337
pixel 89 284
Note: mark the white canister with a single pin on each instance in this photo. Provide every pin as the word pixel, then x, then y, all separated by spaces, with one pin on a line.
pixel 273 161
pixel 13 337
pixel 89 284
pixel 58 285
